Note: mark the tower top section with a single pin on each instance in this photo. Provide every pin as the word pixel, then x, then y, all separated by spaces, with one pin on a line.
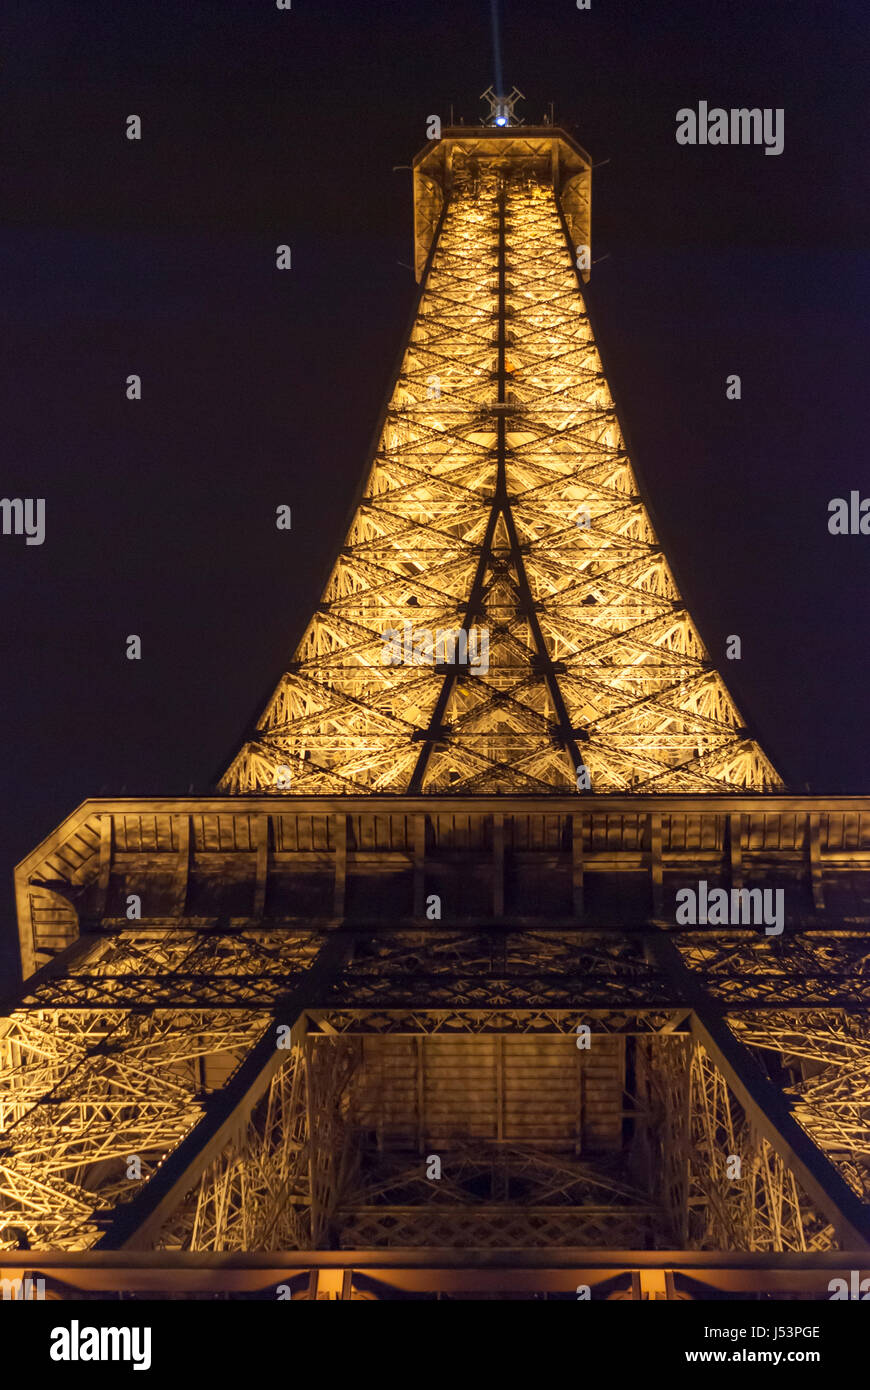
pixel 502 109
pixel 501 618
pixel 543 153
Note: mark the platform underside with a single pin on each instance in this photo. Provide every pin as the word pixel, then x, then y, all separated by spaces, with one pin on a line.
pixel 417 1093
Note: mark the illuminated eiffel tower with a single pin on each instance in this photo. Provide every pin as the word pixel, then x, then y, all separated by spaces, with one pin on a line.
pixel 407 1007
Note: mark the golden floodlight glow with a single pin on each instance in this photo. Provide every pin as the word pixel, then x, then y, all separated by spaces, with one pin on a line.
pixel 501 498
pixel 245 1025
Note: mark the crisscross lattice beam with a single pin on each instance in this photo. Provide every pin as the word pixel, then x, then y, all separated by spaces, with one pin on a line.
pixel 501 501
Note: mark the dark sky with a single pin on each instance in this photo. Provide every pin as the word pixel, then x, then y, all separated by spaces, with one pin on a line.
pixel 262 127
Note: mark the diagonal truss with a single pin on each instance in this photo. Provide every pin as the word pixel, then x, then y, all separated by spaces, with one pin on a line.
pixel 82 1095
pixel 698 1129
pixel 500 502
pixel 242 1146
pixel 109 1114
pixel 500 616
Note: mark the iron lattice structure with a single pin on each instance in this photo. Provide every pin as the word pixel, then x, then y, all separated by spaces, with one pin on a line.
pixel 251 1024
pixel 501 498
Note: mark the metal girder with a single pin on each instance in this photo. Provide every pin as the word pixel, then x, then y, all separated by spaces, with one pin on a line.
pixel 434 1269
pixel 765 1104
pixel 265 847
pixel 195 967
pixel 499 499
pixel 98 1099
pixel 500 487
pixel 553 153
pixel 140 1219
pixel 771 1113
pixel 474 1022
pixel 724 1184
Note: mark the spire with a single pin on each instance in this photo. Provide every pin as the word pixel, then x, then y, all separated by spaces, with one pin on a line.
pixel 502 109
pixel 501 617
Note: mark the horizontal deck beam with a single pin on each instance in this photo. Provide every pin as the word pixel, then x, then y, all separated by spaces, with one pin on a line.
pixel 433 1270
pixel 330 859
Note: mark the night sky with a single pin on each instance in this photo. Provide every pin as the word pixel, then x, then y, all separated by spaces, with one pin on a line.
pixel 260 387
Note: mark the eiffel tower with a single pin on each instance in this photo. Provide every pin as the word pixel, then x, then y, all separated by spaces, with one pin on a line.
pixel 407 1009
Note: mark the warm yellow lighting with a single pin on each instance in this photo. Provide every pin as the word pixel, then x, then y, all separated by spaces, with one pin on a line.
pixel 501 436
